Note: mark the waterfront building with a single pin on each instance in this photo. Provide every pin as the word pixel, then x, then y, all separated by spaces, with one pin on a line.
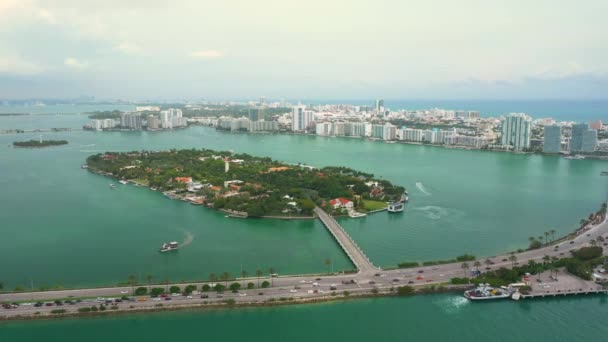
pixel 172 118
pixel 377 131
pixel 240 124
pixel 389 132
pixel 254 114
pixel 263 126
pixel 338 129
pixel 130 120
pixel 516 129
pixel 153 122
pixel 468 141
pixel 300 118
pixel 323 128
pixel 442 136
pixel 552 139
pixel 583 139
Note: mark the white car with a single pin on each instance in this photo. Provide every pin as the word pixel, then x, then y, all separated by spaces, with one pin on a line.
pixel 242 294
pixel 124 292
pixel 302 281
pixel 195 292
pixel 157 298
pixel 293 290
pixel 175 295
pixel 189 297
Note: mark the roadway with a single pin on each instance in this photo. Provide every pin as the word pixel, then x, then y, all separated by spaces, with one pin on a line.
pixel 303 287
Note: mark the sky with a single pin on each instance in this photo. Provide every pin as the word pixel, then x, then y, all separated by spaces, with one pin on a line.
pixel 313 49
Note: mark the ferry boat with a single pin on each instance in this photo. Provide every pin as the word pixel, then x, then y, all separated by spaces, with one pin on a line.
pixel 487 292
pixel 171 246
pixel 396 207
pixel 123 182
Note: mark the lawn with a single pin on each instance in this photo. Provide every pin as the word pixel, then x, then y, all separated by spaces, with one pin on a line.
pixel 370 205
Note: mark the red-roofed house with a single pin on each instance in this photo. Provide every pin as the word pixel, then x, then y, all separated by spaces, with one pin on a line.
pixel 183 179
pixel 341 202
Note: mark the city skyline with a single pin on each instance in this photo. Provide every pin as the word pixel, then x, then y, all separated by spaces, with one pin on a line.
pixel 335 50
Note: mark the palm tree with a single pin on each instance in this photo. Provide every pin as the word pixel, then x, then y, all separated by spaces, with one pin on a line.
pixel 477 264
pixel 225 277
pixel 546 238
pixel 553 260
pixel 244 275
pixel 212 277
pixel 465 267
pixel 540 238
pixel 258 273
pixel 512 259
pixel 328 263
pixel 555 272
pixel 271 272
pixel 552 231
pixel 593 242
pixel 149 280
pixel 488 262
pixel 132 281
pixel 167 285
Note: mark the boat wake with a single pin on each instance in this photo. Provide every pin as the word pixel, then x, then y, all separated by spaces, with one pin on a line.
pixel 187 239
pixel 433 212
pixel 422 189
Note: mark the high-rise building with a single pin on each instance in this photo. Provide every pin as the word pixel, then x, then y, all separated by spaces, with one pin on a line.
pixel 596 125
pixel 379 105
pixel 583 139
pixel 130 120
pixel 153 122
pixel 553 139
pixel 516 131
pixel 300 118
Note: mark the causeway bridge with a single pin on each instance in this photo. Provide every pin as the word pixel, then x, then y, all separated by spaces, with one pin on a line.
pixel 348 245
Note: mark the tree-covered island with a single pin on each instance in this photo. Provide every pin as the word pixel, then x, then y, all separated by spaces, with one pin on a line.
pixel 246 185
pixel 39 143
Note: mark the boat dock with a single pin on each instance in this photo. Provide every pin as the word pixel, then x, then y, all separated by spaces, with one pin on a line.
pixel 565 285
pixel 348 245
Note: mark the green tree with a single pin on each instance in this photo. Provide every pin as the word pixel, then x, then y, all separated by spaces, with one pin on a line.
pixel 149 280
pixel 250 285
pixel 552 231
pixel 234 287
pixel 205 287
pixel 225 277
pixel 258 274
pixel 512 259
pixel 244 275
pixel 140 291
pixel 271 272
pixel 175 289
pixel 476 264
pixel 219 288
pixel 212 277
pixel 132 281
pixel 265 284
pixel 465 268
pixel 157 291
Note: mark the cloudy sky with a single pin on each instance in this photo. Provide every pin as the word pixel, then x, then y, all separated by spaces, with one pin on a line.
pixel 323 49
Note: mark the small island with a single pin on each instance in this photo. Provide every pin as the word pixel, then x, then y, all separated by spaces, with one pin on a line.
pixel 246 186
pixel 39 143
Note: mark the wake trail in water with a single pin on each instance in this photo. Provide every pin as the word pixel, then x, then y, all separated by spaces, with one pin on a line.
pixel 432 212
pixel 422 189
pixel 188 239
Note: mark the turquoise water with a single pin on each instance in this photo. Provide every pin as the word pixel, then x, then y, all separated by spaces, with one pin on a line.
pixel 423 318
pixel 461 201
pixel 63 225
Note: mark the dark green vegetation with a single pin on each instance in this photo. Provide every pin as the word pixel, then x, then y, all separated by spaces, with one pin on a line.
pixel 114 114
pixel 39 143
pixel 234 111
pixel 252 186
pixel 460 258
pixel 580 264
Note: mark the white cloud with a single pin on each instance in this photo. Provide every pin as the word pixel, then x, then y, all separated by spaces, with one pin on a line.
pixel 74 63
pixel 18 66
pixel 128 48
pixel 570 69
pixel 207 54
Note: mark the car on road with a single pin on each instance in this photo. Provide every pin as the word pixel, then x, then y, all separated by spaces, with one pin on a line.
pixel 410 282
pixel 421 271
pixel 318 279
pixel 124 292
pixel 38 304
pixel 302 281
pixel 435 268
pixel 204 296
pixel 157 298
pixel 188 297
pixel 260 293
pixel 371 282
pixel 167 298
pixel 293 290
pixel 396 280
pixel 242 294
pixel 377 274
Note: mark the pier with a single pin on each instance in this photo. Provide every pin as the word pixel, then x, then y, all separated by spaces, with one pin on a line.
pixel 562 284
pixel 348 245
